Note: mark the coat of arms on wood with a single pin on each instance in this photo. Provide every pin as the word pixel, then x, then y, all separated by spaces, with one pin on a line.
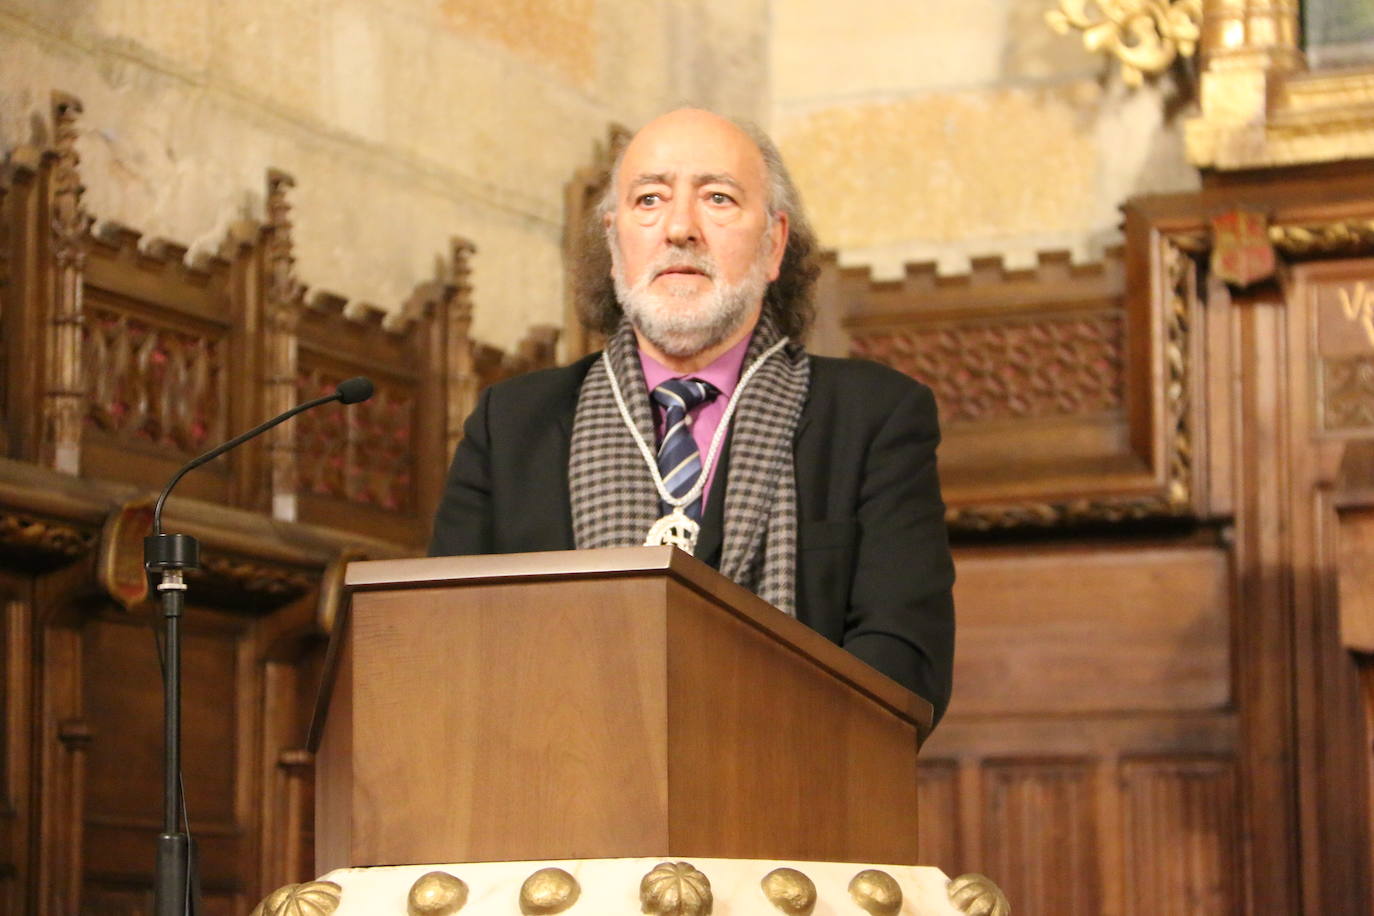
pixel 1242 254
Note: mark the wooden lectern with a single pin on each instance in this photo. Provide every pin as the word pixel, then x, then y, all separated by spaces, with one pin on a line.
pixel 600 704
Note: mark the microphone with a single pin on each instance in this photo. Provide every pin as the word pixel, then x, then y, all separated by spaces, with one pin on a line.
pixel 176 885
pixel 354 390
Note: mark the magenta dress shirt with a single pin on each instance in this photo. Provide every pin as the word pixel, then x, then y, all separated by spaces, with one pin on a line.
pixel 724 373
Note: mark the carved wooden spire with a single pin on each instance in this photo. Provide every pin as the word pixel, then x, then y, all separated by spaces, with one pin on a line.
pixel 283 294
pixel 462 380
pixel 63 389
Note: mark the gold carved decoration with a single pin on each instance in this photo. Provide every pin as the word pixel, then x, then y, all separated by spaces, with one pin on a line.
pixel 436 893
pixel 790 891
pixel 976 895
pixel 1346 237
pixel 315 898
pixel 675 889
pixel 120 565
pixel 549 890
pixel 876 892
pixel 1144 35
pixel 1260 106
pixel 1181 274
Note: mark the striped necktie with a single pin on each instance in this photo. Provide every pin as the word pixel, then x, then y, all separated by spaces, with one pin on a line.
pixel 679 461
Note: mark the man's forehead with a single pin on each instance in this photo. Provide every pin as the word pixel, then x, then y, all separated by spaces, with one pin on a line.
pixel 695 143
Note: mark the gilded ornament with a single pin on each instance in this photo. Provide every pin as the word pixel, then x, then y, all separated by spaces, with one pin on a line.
pixel 436 893
pixel 675 889
pixel 876 892
pixel 314 898
pixel 1144 35
pixel 1343 237
pixel 790 891
pixel 549 890
pixel 976 895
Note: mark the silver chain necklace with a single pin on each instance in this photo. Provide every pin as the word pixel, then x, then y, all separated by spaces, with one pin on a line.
pixel 677 528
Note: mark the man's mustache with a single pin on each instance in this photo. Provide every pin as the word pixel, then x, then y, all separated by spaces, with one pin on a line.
pixel 673 261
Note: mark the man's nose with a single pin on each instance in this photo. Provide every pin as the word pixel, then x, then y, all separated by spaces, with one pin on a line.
pixel 682 228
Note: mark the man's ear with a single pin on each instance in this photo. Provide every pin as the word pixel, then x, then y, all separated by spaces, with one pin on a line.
pixel 778 230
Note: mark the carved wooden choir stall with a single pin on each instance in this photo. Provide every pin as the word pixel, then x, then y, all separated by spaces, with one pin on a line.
pixel 122 362
pixel 1158 472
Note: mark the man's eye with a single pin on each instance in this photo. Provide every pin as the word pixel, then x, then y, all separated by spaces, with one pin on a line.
pixel 649 200
pixel 720 198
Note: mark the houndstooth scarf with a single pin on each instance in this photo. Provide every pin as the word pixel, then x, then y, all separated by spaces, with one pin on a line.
pixel 614 501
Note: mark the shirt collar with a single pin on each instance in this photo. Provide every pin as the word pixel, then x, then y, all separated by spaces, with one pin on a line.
pixel 723 371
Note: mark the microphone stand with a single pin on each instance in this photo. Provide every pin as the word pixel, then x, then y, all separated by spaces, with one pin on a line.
pixel 176 884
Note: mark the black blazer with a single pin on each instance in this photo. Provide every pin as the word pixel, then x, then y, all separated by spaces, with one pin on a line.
pixel 873 567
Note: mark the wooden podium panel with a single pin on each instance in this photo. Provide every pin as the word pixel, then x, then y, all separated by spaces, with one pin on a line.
pixel 598 704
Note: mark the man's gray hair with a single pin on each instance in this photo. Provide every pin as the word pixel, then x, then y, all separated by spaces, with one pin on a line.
pixel 787 299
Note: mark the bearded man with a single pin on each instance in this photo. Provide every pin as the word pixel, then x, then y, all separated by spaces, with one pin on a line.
pixel 811 481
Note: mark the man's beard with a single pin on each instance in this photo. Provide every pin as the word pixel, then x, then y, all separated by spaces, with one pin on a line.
pixel 679 328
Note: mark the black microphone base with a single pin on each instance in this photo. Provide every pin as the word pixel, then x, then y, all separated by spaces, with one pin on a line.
pixel 163 552
pixel 176 887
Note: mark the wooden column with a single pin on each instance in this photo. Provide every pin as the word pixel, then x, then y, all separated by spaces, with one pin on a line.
pixel 1264 599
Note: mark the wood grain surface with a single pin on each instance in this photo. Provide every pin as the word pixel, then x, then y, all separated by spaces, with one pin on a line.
pixel 580 713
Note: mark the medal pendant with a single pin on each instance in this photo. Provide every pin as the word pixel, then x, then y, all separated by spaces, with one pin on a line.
pixel 675 529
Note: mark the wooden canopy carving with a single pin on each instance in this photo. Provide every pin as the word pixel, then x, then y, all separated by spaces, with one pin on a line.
pixel 123 361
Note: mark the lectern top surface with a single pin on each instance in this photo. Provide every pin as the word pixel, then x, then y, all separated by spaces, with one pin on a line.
pixel 494 567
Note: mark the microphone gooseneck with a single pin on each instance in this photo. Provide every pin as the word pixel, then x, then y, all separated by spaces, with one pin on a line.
pixel 351 391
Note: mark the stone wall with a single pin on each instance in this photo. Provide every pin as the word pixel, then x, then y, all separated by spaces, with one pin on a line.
pixel 404 123
pixel 941 132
